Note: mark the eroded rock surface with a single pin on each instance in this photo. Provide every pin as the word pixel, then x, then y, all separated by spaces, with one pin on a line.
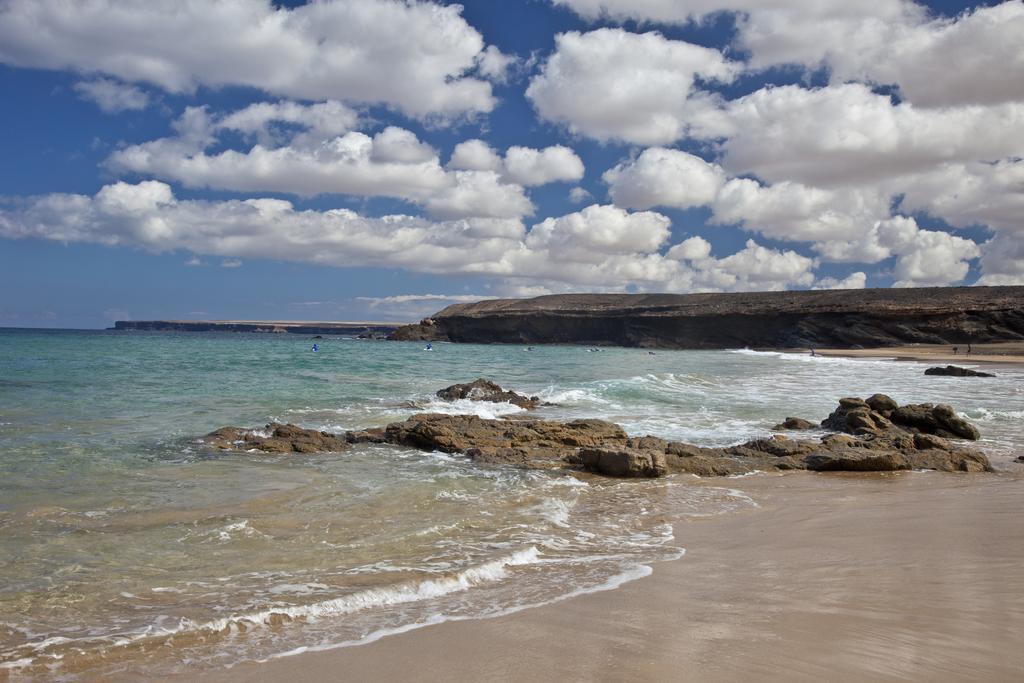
pixel 874 435
pixel 956 371
pixel 276 438
pixel 880 414
pixel 485 390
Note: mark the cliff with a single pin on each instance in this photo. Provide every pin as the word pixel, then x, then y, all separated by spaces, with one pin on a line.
pixel 826 319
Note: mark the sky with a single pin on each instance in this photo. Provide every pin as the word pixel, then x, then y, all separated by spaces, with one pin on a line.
pixel 382 159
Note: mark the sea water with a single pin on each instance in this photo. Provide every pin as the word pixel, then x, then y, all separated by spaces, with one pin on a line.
pixel 125 547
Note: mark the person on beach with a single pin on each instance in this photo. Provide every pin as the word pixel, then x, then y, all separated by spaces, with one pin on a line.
pixel 955 350
pixel 813 353
pixel 968 349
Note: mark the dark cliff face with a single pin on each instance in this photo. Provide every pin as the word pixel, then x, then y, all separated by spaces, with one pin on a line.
pixel 851 318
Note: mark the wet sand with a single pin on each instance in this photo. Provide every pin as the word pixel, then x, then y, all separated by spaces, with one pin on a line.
pixel 833 577
pixel 1003 352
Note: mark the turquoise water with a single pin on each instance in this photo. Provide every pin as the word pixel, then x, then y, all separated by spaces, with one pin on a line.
pixel 124 547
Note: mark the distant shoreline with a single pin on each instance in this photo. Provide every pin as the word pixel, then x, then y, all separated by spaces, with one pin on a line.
pixel 1006 353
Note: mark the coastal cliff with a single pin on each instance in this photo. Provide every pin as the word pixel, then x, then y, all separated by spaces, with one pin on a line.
pixel 827 319
pixel 365 329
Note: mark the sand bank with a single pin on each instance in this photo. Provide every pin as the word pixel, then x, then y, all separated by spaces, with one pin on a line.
pixel 1003 352
pixel 833 577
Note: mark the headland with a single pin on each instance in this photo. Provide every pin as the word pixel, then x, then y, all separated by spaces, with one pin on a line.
pixel 840 319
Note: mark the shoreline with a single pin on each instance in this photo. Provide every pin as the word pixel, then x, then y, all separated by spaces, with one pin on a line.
pixel 841 576
pixel 1002 353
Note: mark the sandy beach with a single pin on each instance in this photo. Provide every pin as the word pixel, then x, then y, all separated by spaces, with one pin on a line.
pixel 837 577
pixel 1003 352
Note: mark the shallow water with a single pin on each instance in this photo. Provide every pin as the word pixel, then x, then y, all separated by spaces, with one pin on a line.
pixel 124 547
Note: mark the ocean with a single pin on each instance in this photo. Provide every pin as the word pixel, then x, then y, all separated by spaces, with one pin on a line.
pixel 125 548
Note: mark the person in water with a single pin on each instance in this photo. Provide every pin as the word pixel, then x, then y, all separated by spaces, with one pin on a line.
pixel 315 348
pixel 429 347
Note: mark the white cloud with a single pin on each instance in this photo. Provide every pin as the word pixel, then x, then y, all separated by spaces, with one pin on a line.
pixel 599 247
pixel 1002 261
pixel 263 120
pixel 847 134
pixel 578 195
pixel 856 280
pixel 610 84
pixel 392 163
pixel 976 57
pixel 475 155
pixel 231 263
pixel 664 177
pixel 112 96
pixel 925 257
pixel 601 229
pixel 417 57
pixel 521 165
pixel 528 166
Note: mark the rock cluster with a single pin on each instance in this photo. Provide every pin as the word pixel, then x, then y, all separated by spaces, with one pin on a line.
pixel 276 438
pixel 874 434
pixel 485 390
pixel 956 371
pixel 880 415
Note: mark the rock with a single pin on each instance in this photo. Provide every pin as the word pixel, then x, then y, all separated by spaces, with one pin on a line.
pixel 276 438
pixel 793 424
pixel 880 415
pixel 912 439
pixel 856 460
pixel 624 462
pixel 956 371
pixel 1020 458
pixel 940 420
pixel 882 404
pixel 485 390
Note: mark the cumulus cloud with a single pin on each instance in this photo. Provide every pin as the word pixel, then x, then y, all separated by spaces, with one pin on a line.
pixel 664 177
pixel 856 280
pixel 578 195
pixel 610 84
pixel 602 247
pixel 306 160
pixel 1002 261
pixel 521 165
pixel 112 96
pixel 420 58
pixel 976 57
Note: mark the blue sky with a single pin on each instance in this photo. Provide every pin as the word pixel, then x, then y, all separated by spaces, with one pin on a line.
pixel 382 159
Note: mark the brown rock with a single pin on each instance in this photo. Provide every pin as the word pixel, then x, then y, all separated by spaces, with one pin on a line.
pixel 624 463
pixel 485 390
pixel 282 438
pixel 956 371
pixel 793 424
pixel 882 404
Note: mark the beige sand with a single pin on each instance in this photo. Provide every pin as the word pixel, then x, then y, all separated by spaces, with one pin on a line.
pixel 835 577
pixel 1003 352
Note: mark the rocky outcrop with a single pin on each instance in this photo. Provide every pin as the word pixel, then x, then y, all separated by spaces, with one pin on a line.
pixel 874 435
pixel 880 415
pixel 275 438
pixel 794 424
pixel 956 371
pixel 485 390
pixel 823 319
pixel 874 443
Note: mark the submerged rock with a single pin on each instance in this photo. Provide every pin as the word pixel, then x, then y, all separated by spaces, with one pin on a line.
pixel 276 438
pixel 485 390
pixel 956 371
